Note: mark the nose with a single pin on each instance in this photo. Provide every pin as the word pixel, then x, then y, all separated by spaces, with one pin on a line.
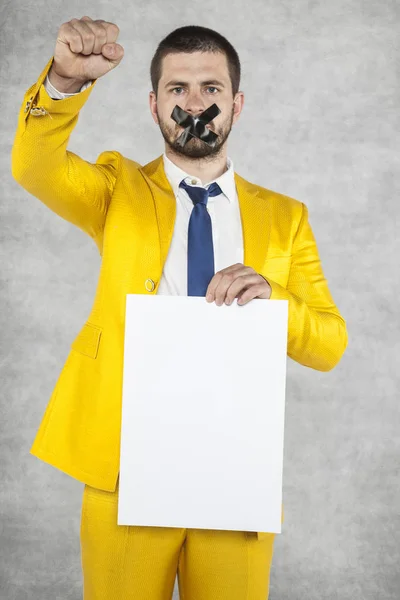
pixel 194 104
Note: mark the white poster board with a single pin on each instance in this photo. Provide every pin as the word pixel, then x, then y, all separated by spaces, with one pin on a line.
pixel 203 413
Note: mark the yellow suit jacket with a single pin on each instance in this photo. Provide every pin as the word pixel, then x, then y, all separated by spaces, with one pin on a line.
pixel 129 212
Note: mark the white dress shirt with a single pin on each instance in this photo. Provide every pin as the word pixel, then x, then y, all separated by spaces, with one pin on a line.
pixel 223 209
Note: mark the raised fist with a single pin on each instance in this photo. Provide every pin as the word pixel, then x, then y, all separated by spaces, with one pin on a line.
pixel 86 49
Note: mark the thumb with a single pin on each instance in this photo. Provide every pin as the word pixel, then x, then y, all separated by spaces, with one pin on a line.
pixel 113 52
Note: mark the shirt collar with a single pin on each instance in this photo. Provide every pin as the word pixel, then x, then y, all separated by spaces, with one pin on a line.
pixel 175 174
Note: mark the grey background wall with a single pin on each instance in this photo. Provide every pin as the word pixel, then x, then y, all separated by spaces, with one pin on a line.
pixel 320 124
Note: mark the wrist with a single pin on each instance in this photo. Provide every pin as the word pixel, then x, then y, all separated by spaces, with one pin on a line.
pixel 269 292
pixel 65 85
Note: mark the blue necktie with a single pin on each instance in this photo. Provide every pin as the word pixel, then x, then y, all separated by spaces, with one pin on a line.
pixel 200 242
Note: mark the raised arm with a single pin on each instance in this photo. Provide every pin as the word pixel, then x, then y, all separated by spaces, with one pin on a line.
pixel 77 190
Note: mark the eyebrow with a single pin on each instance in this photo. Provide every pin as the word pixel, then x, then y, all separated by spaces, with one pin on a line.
pixel 183 83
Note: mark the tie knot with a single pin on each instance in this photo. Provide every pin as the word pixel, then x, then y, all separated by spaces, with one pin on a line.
pixel 200 195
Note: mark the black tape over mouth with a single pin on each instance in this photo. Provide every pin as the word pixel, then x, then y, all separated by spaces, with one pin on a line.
pixel 196 126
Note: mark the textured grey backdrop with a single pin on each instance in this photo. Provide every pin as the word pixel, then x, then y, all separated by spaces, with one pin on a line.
pixel 320 124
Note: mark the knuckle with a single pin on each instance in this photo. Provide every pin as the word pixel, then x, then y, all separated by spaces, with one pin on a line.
pixel 100 31
pixel 72 33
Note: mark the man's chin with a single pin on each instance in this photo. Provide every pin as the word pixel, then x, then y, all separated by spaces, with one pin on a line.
pixel 194 148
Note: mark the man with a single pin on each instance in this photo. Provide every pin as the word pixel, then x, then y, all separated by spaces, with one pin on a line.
pixel 184 224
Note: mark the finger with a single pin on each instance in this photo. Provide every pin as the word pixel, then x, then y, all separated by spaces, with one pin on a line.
pixel 217 279
pixel 238 278
pixel 71 36
pixel 239 296
pixel 210 293
pixel 112 31
pixel 87 36
pixel 239 285
pixel 99 31
pixel 252 292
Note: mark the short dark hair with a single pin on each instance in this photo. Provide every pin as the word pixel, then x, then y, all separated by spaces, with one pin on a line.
pixel 193 38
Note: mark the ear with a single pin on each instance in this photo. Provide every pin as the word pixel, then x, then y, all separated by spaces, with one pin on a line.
pixel 238 103
pixel 153 106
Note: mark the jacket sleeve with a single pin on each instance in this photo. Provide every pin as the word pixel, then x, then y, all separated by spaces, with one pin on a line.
pixel 317 334
pixel 77 190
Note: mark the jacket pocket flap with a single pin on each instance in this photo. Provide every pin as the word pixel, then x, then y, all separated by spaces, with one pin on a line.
pixel 88 339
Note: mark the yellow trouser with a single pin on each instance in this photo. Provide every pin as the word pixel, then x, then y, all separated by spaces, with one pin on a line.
pixel 130 562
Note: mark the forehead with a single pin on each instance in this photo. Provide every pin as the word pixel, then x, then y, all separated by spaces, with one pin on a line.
pixel 197 64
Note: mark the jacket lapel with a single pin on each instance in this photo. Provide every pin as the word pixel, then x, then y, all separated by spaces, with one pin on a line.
pixel 164 203
pixel 254 212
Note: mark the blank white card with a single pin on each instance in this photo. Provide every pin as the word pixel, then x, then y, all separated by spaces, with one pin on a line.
pixel 203 413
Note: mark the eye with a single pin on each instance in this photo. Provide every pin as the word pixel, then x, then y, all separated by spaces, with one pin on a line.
pixel 177 88
pixel 212 88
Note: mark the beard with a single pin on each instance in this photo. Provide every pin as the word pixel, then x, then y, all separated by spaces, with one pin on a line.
pixel 194 147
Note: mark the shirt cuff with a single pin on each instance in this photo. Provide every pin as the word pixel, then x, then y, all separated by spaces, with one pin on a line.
pixel 56 95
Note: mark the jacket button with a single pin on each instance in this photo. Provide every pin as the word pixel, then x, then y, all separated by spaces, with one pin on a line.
pixel 149 285
pixel 38 110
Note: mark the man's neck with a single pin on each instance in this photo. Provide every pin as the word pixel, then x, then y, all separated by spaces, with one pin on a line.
pixel 206 169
